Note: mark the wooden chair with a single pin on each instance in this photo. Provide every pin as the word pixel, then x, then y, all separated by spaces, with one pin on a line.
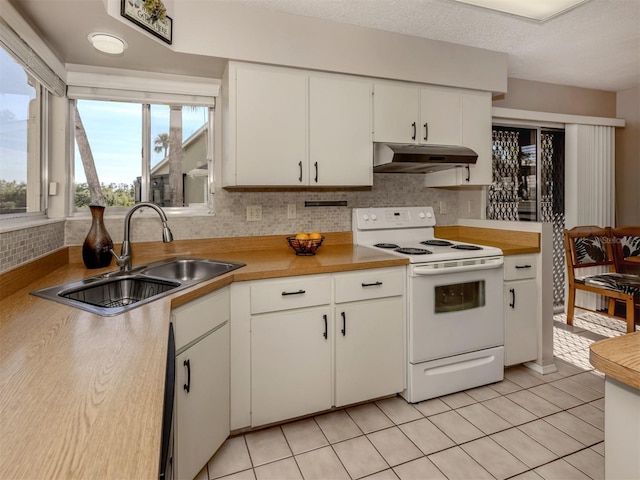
pixel 591 246
pixel 625 244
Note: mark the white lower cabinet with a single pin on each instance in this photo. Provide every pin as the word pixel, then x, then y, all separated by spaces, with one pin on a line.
pixel 290 364
pixel 520 309
pixel 319 341
pixel 201 415
pixel 369 350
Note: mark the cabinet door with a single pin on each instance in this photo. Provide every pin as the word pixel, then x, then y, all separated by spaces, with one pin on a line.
pixel 396 111
pixel 202 413
pixel 520 322
pixel 369 350
pixel 476 134
pixel 290 364
pixel 271 127
pixel 440 116
pixel 340 147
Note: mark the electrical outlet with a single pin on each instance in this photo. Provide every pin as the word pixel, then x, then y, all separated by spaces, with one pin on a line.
pixel 443 208
pixel 291 211
pixel 254 213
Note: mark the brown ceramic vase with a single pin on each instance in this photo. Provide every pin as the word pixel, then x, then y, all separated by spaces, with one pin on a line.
pixel 96 249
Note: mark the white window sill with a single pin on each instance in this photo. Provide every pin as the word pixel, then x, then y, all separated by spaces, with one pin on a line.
pixel 20 223
pixel 121 212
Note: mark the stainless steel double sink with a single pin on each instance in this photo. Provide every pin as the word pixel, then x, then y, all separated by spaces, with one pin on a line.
pixel 117 292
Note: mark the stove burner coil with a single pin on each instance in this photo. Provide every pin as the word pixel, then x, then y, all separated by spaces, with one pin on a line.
pixel 467 247
pixel 413 251
pixel 437 243
pixel 386 245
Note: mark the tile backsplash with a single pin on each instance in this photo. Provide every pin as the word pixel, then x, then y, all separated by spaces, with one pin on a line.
pixel 229 219
pixel 22 245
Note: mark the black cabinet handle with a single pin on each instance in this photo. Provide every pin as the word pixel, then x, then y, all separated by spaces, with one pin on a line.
pixel 468 173
pixel 513 298
pixel 344 324
pixel 523 266
pixel 300 177
pixel 326 327
pixel 316 165
pixel 374 284
pixel 426 131
pixel 187 386
pixel 413 137
pixel 299 292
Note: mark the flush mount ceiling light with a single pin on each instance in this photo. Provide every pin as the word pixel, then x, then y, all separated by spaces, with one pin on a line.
pixel 107 43
pixel 538 10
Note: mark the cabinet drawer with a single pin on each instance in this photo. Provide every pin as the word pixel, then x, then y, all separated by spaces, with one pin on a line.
pixel 299 292
pixel 367 284
pixel 519 266
pixel 200 316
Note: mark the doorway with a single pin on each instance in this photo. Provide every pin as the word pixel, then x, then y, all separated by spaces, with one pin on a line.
pixel 528 185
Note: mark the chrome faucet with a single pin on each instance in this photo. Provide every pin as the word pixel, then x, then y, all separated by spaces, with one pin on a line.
pixel 124 260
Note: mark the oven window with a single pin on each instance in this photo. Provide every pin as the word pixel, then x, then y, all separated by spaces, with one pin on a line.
pixel 459 296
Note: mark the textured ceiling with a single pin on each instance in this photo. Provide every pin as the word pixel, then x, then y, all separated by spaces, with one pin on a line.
pixel 596 45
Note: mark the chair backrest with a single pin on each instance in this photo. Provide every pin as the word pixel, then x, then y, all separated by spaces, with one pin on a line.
pixel 588 246
pixel 625 242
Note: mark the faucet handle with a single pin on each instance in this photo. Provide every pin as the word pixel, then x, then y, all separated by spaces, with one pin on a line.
pixel 121 261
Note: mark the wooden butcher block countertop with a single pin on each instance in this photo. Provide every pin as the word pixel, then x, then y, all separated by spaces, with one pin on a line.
pixel 81 395
pixel 619 358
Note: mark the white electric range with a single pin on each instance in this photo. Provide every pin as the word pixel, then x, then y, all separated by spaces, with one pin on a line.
pixel 455 326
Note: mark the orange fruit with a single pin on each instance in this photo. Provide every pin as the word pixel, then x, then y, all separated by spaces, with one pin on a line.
pixel 302 236
pixel 315 235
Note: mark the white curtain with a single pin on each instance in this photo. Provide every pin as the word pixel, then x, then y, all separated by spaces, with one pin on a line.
pixel 589 184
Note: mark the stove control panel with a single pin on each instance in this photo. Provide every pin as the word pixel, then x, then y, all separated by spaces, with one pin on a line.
pixel 381 218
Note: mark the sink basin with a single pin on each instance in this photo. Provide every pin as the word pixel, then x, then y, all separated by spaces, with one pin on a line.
pixel 116 292
pixel 119 291
pixel 189 269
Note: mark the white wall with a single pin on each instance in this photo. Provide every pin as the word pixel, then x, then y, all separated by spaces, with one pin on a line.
pixel 239 32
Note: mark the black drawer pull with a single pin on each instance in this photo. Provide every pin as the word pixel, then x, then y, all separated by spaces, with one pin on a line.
pixel 344 324
pixel 523 266
pixel 299 292
pixel 513 298
pixel 187 386
pixel 413 125
pixel 326 326
pixel 374 284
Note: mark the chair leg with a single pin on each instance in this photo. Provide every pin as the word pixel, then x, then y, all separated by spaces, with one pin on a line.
pixel 612 307
pixel 631 315
pixel 571 305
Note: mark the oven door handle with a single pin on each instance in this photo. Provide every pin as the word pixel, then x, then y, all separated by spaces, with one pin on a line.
pixel 494 263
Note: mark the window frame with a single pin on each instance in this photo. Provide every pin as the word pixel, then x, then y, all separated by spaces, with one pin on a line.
pixel 206 208
pixel 42 170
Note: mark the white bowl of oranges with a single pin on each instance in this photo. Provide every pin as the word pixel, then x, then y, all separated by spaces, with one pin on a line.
pixel 306 243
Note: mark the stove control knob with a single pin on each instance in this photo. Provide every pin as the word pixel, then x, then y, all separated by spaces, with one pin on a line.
pixel 365 217
pixel 429 214
pixel 374 217
pixel 421 215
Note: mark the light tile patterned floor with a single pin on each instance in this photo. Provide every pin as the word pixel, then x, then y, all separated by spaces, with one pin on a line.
pixel 526 427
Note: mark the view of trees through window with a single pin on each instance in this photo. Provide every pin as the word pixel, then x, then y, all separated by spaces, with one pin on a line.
pixel 110 167
pixel 20 183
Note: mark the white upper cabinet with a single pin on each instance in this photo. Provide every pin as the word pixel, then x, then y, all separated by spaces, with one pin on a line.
pixel 440 116
pixel 396 111
pixel 476 134
pixel 291 128
pixel 270 127
pixel 420 115
pixel 340 146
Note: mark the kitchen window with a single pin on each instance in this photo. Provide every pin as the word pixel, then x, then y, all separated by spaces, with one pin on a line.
pixel 22 136
pixel 138 152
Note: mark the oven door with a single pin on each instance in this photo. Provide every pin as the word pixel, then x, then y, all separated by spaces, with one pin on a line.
pixel 455 307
